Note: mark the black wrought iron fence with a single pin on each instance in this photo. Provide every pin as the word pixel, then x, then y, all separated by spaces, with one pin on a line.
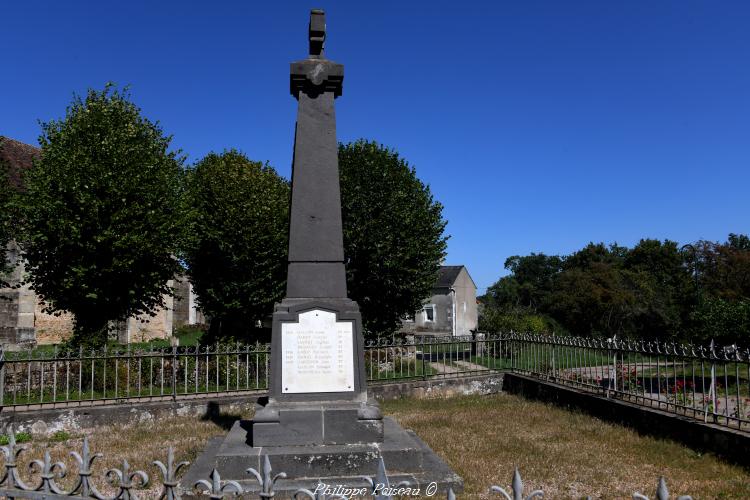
pixel 711 384
pixel 429 356
pixel 707 383
pixel 115 375
pixel 46 479
pixel 52 377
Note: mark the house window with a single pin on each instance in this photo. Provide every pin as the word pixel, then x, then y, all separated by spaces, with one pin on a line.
pixel 429 313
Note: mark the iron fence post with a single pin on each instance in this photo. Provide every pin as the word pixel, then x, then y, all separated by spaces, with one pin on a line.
pixel 2 377
pixel 609 375
pixel 713 391
pixel 174 373
pixel 614 369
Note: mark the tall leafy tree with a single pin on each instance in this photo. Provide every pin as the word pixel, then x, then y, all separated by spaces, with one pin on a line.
pixel 517 302
pixel 724 268
pixel 654 290
pixel 596 299
pixel 101 213
pixel 721 320
pixel 236 240
pixel 533 275
pixel 393 234
pixel 665 289
pixel 722 278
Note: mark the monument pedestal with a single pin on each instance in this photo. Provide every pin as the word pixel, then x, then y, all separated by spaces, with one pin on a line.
pixel 317 423
pixel 407 458
pixel 334 437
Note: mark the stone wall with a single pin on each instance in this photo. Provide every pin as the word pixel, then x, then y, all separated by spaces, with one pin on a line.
pixel 16 317
pixel 147 327
pixel 181 306
pixel 47 421
pixel 51 328
pixel 16 304
pixel 24 322
pixel 466 304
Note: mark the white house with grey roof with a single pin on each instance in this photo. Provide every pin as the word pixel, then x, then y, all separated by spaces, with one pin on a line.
pixel 452 307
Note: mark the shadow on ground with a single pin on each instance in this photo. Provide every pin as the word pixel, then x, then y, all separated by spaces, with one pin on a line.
pixel 223 420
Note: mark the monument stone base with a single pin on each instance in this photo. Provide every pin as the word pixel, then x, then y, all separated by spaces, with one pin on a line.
pixel 315 423
pixel 407 458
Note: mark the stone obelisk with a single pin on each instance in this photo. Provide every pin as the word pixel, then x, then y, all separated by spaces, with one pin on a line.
pixel 317 392
pixel 317 425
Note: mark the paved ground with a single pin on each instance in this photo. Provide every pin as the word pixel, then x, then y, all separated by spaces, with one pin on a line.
pixel 461 367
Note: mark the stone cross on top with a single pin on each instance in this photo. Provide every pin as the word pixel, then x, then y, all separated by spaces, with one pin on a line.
pixel 316 74
pixel 317 33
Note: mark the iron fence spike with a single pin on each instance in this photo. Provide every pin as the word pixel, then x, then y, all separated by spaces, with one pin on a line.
pixel 662 493
pixel 517 485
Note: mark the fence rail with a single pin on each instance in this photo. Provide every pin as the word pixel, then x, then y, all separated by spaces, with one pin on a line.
pixel 707 383
pixel 116 375
pixel 46 479
pixel 54 378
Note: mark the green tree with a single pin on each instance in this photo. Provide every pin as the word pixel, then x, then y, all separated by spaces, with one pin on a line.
pixel 664 287
pixel 653 290
pixel 517 301
pixel 726 322
pixel 500 320
pixel 595 299
pixel 722 276
pixel 236 241
pixel 612 255
pixel 101 214
pixel 529 283
pixel 739 242
pixel 724 268
pixel 393 234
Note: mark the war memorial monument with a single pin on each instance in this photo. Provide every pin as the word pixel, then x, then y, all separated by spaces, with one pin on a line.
pixel 318 425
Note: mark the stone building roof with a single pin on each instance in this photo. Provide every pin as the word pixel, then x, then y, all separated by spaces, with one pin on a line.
pixel 447 276
pixel 18 156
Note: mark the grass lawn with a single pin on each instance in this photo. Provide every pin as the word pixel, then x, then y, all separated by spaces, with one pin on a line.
pixel 482 438
pixel 568 454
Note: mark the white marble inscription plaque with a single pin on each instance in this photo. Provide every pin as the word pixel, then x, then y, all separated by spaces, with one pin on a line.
pixel 317 354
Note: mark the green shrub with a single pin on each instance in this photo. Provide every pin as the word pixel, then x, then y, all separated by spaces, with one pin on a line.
pixel 21 437
pixel 497 320
pixel 60 436
pixel 190 334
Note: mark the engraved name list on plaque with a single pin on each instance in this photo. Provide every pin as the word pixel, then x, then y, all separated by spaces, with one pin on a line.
pixel 317 354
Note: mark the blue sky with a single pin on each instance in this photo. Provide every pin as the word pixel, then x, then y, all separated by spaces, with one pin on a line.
pixel 540 126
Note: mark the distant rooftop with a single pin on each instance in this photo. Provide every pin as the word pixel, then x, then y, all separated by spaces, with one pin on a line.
pixel 18 156
pixel 447 276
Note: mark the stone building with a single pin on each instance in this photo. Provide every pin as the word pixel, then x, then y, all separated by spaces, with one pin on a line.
pixel 452 307
pixel 17 303
pixel 178 311
pixel 23 320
